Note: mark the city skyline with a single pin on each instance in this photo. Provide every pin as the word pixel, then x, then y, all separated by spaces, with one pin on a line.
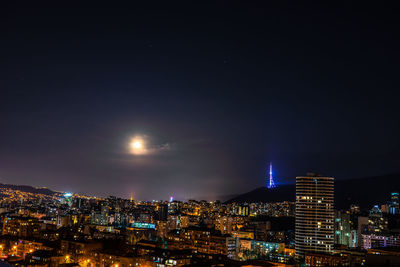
pixel 186 134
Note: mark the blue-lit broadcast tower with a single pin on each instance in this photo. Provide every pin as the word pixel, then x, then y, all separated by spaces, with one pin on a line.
pixel 271 183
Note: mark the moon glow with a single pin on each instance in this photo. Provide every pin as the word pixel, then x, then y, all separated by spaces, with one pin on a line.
pixel 138 146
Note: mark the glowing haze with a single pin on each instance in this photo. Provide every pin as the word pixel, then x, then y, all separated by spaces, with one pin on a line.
pixel 191 100
pixel 138 145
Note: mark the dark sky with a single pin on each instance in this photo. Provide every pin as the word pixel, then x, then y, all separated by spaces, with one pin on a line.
pixel 219 90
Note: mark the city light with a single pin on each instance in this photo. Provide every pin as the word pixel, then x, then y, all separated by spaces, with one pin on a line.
pixel 180 225
pixel 143 134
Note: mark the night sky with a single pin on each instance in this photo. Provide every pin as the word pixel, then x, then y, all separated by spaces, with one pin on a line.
pixel 217 91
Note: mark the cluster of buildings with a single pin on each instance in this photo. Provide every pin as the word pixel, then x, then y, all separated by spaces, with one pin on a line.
pixel 76 230
pixel 353 237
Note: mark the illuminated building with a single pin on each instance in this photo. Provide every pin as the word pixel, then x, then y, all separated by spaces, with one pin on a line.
pixel 377 222
pixel 177 221
pixel 354 209
pixel 243 234
pixel 77 248
pixel 101 218
pixel 379 241
pixel 385 208
pixel 113 258
pixel 345 232
pixel 320 260
pixel 174 207
pixel 120 219
pixel 67 199
pixel 21 226
pixel 242 210
pixel 19 247
pixel 244 246
pixel 260 229
pixel 162 229
pixel 314 226
pixel 265 248
pixel 140 231
pixel 254 249
pixel 203 240
pixel 394 203
pixel 145 217
pixel 143 225
pixel 44 258
pixel 224 224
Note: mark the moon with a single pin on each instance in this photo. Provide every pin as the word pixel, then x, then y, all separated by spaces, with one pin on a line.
pixel 138 146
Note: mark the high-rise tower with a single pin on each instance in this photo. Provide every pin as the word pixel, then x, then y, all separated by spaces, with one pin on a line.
pixel 271 183
pixel 394 203
pixel 314 214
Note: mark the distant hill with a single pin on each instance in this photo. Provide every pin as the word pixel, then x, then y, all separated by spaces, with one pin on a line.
pixel 29 189
pixel 263 194
pixel 363 191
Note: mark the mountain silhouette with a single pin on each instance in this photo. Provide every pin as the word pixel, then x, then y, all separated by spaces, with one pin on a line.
pixel 365 192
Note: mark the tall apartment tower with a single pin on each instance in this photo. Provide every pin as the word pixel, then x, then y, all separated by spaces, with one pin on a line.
pixel 314 214
pixel 394 203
